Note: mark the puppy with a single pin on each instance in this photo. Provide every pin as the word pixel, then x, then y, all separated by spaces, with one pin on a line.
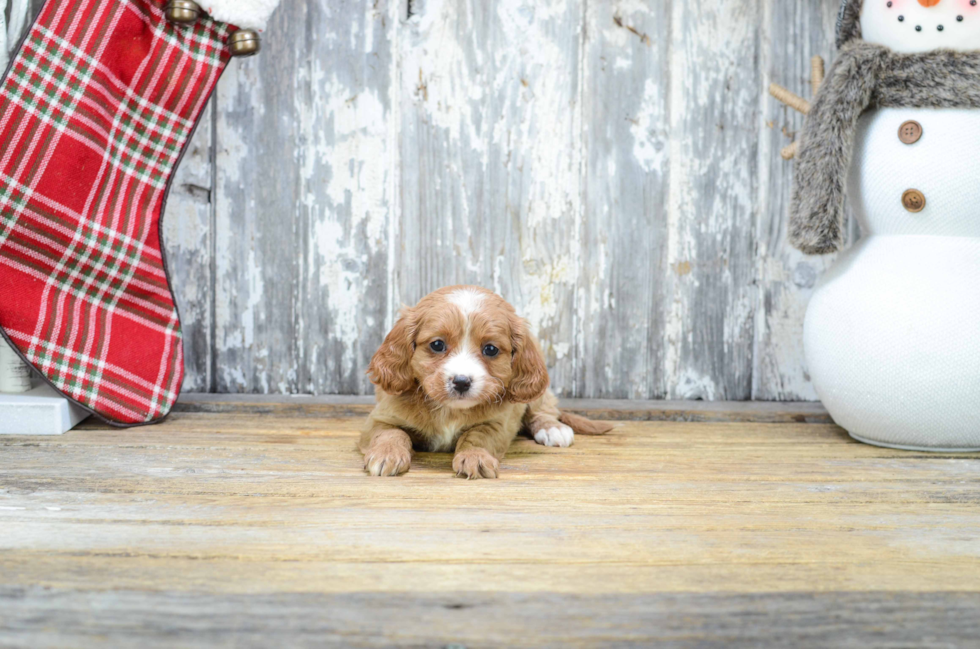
pixel 460 372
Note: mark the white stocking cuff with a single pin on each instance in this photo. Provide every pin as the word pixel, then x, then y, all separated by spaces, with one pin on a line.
pixel 246 14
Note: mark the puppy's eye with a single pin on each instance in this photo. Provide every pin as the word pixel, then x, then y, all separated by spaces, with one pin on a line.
pixel 490 350
pixel 437 346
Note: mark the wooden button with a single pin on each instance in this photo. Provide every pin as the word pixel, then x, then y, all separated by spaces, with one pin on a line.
pixel 910 132
pixel 913 200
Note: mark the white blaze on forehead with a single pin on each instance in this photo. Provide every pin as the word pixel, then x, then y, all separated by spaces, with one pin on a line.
pixel 466 360
pixel 465 363
pixel 467 299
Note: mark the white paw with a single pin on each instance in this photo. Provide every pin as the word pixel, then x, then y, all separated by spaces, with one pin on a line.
pixel 559 435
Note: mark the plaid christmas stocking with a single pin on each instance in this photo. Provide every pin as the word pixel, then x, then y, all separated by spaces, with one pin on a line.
pixel 96 109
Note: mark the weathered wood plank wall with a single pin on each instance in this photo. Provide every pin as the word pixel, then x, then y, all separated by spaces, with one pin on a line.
pixel 610 166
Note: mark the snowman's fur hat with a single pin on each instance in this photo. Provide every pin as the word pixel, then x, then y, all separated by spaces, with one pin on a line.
pixel 864 76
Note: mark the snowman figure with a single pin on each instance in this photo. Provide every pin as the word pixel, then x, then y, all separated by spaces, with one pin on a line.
pixel 892 333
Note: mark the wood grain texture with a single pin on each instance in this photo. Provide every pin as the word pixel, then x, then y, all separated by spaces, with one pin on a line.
pixel 713 144
pixel 601 409
pixel 187 233
pixel 303 194
pixel 612 168
pixel 39 617
pixel 237 527
pixel 794 31
pixel 622 305
pixel 491 158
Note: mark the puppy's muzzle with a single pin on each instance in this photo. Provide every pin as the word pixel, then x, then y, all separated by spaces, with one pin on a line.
pixel 462 384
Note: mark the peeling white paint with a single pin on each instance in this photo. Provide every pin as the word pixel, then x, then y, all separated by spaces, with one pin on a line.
pixel 342 281
pixel 694 386
pixel 444 73
pixel 187 240
pixel 711 195
pixel 453 147
pixel 648 149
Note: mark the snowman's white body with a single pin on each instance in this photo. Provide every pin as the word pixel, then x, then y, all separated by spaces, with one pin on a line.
pixel 892 334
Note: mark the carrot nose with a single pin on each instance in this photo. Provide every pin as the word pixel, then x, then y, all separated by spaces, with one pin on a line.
pixel 929 3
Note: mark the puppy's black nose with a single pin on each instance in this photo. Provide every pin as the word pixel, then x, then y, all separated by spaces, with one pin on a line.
pixel 462 384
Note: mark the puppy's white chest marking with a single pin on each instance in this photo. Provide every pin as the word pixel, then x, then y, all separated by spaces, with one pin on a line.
pixel 445 440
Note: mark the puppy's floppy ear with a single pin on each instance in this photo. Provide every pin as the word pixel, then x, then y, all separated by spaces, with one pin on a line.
pixel 391 366
pixel 530 379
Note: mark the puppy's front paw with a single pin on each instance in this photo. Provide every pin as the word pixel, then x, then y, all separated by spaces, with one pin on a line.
pixel 475 463
pixel 387 460
pixel 558 435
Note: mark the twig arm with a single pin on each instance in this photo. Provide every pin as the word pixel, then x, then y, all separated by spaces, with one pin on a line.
pixel 817 73
pixel 792 100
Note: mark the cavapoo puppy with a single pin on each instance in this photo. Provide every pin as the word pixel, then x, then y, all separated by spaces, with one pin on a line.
pixel 461 373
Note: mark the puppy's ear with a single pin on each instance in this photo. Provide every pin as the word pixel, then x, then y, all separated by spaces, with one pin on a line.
pixel 391 367
pixel 530 380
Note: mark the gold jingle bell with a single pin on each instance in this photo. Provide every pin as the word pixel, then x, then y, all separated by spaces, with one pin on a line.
pixel 182 12
pixel 244 42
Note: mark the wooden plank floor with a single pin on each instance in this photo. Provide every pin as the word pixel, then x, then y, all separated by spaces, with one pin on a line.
pixel 250 523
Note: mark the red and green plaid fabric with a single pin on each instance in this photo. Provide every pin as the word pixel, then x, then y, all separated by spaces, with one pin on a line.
pixel 95 112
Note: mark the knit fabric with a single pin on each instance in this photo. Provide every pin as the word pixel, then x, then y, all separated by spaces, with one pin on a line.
pixel 943 165
pixel 95 113
pixel 890 331
pixel 891 344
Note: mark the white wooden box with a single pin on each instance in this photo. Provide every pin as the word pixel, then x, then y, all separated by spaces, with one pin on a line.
pixel 41 411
